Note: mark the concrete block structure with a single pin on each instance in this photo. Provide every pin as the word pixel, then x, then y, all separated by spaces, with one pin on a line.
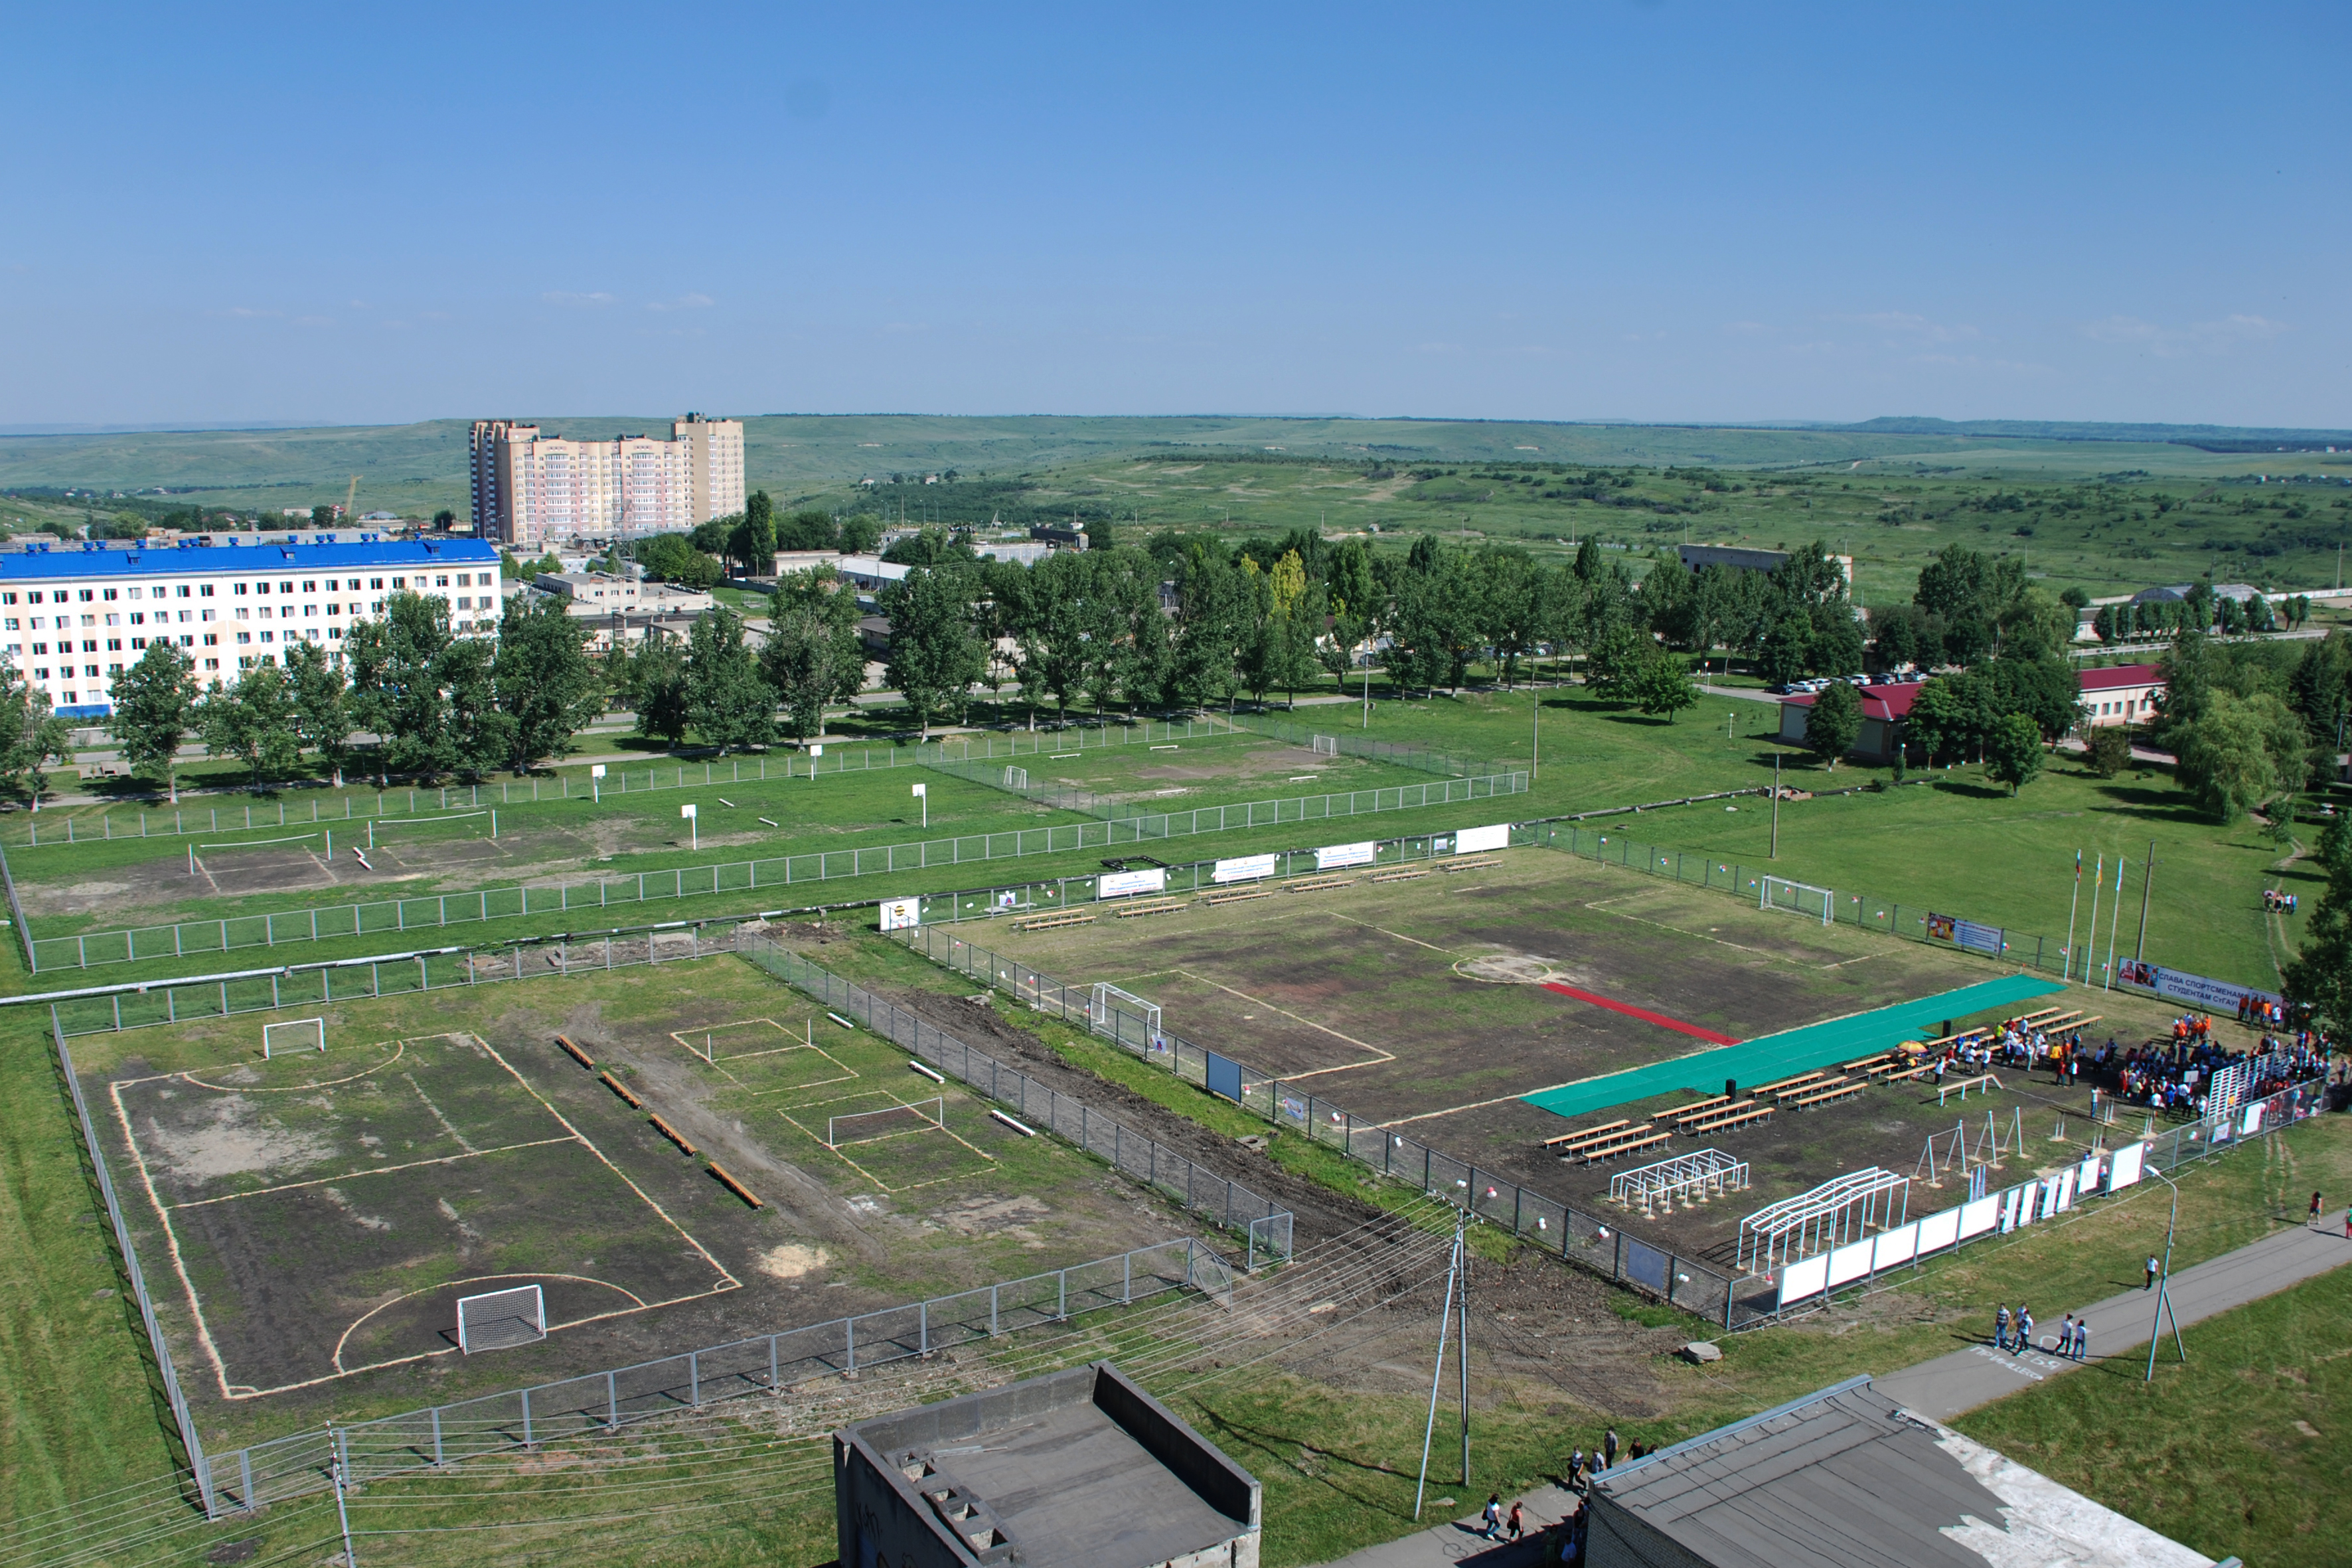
pixel 1074 1469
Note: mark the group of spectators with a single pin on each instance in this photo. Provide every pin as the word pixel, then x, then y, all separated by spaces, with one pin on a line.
pixel 2013 1043
pixel 2174 1078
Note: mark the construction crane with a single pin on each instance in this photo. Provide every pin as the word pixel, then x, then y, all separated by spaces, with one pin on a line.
pixel 348 496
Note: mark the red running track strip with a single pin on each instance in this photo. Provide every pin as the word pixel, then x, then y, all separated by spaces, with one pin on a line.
pixel 1642 1013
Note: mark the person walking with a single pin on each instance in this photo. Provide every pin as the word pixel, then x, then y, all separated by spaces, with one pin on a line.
pixel 1517 1524
pixel 2024 1332
pixel 2082 1339
pixel 2066 1336
pixel 1608 1448
pixel 2152 1267
pixel 2315 1209
pixel 1576 1470
pixel 2001 1328
pixel 1491 1517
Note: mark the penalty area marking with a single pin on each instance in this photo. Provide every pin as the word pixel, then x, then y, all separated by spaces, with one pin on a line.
pixel 399 1048
pixel 1377 1055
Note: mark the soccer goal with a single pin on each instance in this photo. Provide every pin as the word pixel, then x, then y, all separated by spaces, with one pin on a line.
pixel 891 1121
pixel 1016 778
pixel 1798 898
pixel 295 1035
pixel 501 1320
pixel 1327 745
pixel 1124 1017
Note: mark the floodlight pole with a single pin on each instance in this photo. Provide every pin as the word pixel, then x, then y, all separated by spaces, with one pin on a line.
pixel 1462 1341
pixel 2073 905
pixel 2147 882
pixel 338 1460
pixel 2164 1285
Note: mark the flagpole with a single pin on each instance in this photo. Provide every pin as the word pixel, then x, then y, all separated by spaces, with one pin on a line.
pixel 2073 904
pixel 2114 921
pixel 2098 875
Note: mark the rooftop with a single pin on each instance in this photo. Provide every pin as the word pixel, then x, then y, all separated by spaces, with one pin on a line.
pixel 1079 1469
pixel 1847 1477
pixel 268 552
pixel 2117 675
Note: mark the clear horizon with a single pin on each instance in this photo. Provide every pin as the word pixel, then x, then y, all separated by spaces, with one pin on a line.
pixel 1621 213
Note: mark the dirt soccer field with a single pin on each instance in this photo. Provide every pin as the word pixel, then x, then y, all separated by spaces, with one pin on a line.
pixel 1435 1003
pixel 307 1222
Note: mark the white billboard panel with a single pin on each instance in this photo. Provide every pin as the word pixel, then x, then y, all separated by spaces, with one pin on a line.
pixel 901 914
pixel 1122 884
pixel 1337 855
pixel 1897 1245
pixel 1475 840
pixel 1245 869
pixel 1800 1280
pixel 1849 1263
pixel 1939 1230
pixel 2123 1169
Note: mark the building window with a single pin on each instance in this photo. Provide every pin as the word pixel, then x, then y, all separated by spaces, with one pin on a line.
pixel 87 595
pixel 373 582
pixel 137 642
pixel 40 648
pixel 310 587
pixel 109 595
pixel 310 609
pixel 114 620
pixel 212 664
pixel 239 589
pixel 204 591
pixel 184 590
pixel 7 598
pixel 285 587
pixel 58 597
pixel 243 638
pixel 113 669
pixel 40 675
pixel 92 670
pixel 212 639
pixel 267 635
pixel 442 581
pixel 134 593
pixel 137 619
pixel 89 645
pixel 398 583
pixel 208 615
pixel 114 644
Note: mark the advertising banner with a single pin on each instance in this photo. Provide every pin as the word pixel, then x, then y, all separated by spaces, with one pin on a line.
pixel 1123 884
pixel 1849 1263
pixel 1474 840
pixel 1979 1216
pixel 2196 990
pixel 1978 938
pixel 1809 1278
pixel 1899 1245
pixel 2124 1169
pixel 901 914
pixel 1245 869
pixel 1939 1230
pixel 1339 855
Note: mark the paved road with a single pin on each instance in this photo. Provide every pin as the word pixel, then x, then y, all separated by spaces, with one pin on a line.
pixel 1458 1541
pixel 1952 1384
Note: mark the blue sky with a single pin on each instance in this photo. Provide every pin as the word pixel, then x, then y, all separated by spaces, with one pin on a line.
pixel 1662 212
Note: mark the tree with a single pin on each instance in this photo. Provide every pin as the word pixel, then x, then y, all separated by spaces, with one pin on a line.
pixel 31 737
pixel 1785 652
pixel 1209 624
pixel 2046 690
pixel 811 527
pixel 323 517
pixel 322 708
pixel 1666 687
pixel 482 734
pixel 813 655
pixel 2109 751
pixel 1833 723
pixel 752 542
pixel 396 693
pixel 2013 752
pixel 657 688
pixel 2320 977
pixel 860 533
pixel 253 721
pixel 1618 658
pixel 727 702
pixel 443 520
pixel 675 558
pixel 2239 754
pixel 154 708
pixel 1950 715
pixel 935 654
pixel 543 678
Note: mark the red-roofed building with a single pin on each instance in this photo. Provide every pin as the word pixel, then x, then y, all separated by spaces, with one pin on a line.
pixel 2124 694
pixel 1884 708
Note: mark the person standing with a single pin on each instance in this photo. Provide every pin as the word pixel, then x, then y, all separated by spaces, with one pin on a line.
pixel 2315 1209
pixel 2001 1328
pixel 1576 1470
pixel 1609 1450
pixel 2152 1267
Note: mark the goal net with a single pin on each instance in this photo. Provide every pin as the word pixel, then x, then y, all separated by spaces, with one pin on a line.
pixel 295 1035
pixel 891 1121
pixel 1798 898
pixel 1016 778
pixel 1327 745
pixel 1124 1017
pixel 500 1320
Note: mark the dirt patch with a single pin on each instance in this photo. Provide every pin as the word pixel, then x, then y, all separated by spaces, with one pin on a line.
pixel 227 1135
pixel 793 1260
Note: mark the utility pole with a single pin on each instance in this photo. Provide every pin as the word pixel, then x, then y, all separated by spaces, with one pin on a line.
pixel 1776 805
pixel 1437 1376
pixel 2164 1287
pixel 1535 700
pixel 2148 880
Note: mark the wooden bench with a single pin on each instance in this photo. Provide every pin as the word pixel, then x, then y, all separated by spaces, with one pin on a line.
pixel 1789 1086
pixel 1235 895
pixel 1584 1147
pixel 1582 1133
pixel 1317 884
pixel 1964 1036
pixel 1924 1069
pixel 1165 907
pixel 1487 864
pixel 1047 922
pixel 2039 1020
pixel 1829 1094
pixel 1404 875
pixel 1730 1119
pixel 1696 1108
pixel 1638 1144
pixel 1867 1065
pixel 1713 1115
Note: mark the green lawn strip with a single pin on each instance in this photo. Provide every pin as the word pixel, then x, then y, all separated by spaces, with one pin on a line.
pixel 2242 1452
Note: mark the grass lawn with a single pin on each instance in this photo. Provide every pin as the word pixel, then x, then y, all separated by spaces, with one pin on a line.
pixel 2242 1452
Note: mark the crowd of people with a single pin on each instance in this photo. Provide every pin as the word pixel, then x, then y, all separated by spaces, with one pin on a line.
pixel 2169 1077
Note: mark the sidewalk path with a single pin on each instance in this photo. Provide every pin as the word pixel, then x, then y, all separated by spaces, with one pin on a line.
pixel 1458 1541
pixel 1952 1384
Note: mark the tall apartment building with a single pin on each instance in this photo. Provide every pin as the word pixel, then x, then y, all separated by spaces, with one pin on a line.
pixel 71 619
pixel 531 490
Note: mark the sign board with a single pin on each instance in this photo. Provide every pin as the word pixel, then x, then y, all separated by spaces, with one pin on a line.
pixel 1475 840
pixel 1122 884
pixel 817 749
pixel 1976 938
pixel 1809 1278
pixel 2197 990
pixel 1245 869
pixel 901 914
pixel 1337 855
pixel 1225 1077
pixel 685 812
pixel 2123 1169
pixel 595 770
pixel 921 791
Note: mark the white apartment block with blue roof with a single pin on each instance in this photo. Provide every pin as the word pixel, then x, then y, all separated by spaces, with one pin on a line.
pixel 74 617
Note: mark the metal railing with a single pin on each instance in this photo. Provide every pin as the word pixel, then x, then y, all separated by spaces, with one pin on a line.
pixel 437 911
pixel 600 1404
